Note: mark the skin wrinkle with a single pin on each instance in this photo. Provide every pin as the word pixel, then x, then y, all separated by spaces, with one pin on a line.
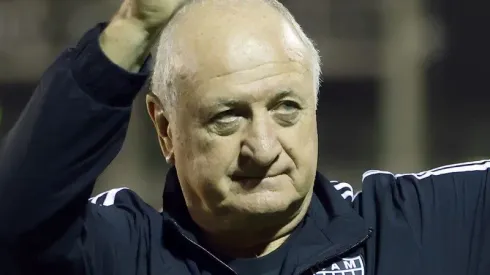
pixel 256 67
pixel 256 83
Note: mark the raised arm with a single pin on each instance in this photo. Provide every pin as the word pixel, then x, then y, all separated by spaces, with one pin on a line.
pixel 72 128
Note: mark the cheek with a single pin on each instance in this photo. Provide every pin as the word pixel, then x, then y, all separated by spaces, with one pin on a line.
pixel 302 146
pixel 207 158
pixel 204 163
pixel 301 141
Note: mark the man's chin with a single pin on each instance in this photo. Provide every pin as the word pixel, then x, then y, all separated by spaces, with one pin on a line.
pixel 256 211
pixel 265 202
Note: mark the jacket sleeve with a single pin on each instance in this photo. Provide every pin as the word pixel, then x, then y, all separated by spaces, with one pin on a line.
pixel 72 128
pixel 438 220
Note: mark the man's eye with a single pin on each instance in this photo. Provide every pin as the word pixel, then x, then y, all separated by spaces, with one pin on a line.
pixel 287 107
pixel 225 117
pixel 287 113
pixel 225 123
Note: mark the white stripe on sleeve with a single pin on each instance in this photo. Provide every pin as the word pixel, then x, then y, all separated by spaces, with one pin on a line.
pixel 481 165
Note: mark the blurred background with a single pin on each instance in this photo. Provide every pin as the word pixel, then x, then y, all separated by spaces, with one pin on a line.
pixel 405 82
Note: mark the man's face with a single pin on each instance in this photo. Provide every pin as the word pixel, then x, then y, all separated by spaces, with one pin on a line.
pixel 244 136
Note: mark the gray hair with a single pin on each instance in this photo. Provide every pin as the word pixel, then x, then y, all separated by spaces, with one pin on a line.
pixel 168 66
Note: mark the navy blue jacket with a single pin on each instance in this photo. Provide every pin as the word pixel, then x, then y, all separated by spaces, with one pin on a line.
pixel 435 222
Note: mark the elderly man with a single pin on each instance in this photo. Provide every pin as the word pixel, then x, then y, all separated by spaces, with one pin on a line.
pixel 234 97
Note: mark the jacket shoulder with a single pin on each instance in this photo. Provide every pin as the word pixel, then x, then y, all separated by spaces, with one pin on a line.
pixel 116 196
pixel 461 172
pixel 123 199
pixel 345 189
pixel 424 190
pixel 120 220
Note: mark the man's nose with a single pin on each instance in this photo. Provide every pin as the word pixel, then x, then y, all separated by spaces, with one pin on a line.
pixel 261 143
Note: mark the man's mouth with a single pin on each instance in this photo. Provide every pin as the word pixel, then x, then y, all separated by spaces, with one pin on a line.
pixel 250 183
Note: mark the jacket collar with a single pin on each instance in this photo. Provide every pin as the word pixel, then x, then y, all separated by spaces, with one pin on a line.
pixel 175 208
pixel 331 226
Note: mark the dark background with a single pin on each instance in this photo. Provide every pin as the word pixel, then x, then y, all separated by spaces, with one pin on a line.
pixel 405 83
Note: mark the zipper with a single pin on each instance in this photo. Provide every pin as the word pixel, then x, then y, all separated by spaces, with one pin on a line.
pixel 365 238
pixel 202 248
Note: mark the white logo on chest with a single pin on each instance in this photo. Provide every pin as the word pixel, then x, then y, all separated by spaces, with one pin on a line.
pixel 346 266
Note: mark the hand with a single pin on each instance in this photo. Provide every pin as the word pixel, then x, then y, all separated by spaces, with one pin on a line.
pixel 130 35
pixel 153 14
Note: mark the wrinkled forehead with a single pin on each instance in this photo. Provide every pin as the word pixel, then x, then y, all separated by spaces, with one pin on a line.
pixel 217 40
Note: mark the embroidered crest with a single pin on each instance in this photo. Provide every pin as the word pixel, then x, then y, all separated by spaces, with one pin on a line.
pixel 345 266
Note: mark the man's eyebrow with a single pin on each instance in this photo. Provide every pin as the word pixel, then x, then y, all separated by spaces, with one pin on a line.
pixel 283 94
pixel 220 102
pixel 223 101
pixel 233 102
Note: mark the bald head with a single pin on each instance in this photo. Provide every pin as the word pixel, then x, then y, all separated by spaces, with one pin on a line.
pixel 212 38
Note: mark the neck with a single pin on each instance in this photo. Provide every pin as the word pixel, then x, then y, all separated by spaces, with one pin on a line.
pixel 240 246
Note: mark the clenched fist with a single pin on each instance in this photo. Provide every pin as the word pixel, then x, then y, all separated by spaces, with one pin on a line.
pixel 152 13
pixel 128 38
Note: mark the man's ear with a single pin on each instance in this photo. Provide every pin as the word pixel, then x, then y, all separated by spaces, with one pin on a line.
pixel 162 126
